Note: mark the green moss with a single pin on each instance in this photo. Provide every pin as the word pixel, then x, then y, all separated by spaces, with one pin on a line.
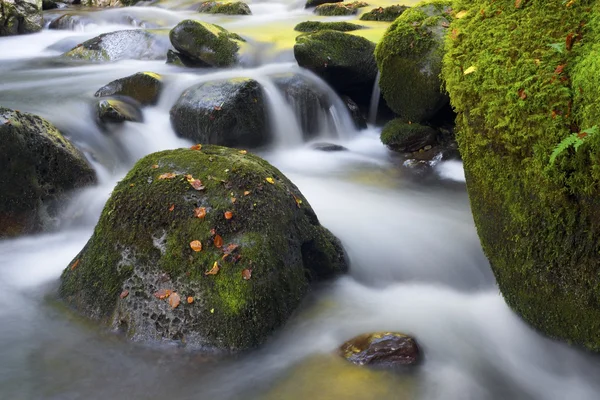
pixel 538 225
pixel 235 8
pixel 144 87
pixel 384 13
pixel 339 9
pixel 314 26
pixel 404 137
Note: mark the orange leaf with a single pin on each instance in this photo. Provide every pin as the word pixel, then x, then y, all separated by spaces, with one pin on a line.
pixel 196 245
pixel 162 294
pixel 246 193
pixel 581 135
pixel 214 270
pixel 522 94
pixel 75 264
pixel 518 3
pixel 174 300
pixel 559 69
pixel 196 147
pixel 167 175
pixel 124 294
pixel 231 247
pixel 218 241
pixel 155 166
pixel 200 212
pixel 228 215
pixel 190 299
pixel 233 200
pixel 569 42
pixel 247 274
pixel 172 207
pixel 196 184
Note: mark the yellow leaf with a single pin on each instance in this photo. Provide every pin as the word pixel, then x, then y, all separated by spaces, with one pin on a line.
pixel 212 310
pixel 174 300
pixel 167 175
pixel 270 180
pixel 243 151
pixel 196 245
pixel 470 70
pixel 214 270
pixel 461 14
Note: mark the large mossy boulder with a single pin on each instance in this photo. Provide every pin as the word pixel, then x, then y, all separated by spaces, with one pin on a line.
pixel 314 26
pixel 217 7
pixel 208 44
pixel 144 87
pixel 212 248
pixel 343 60
pixel 339 9
pixel 20 16
pixel 401 136
pixel 39 168
pixel 523 78
pixel 134 44
pixel 228 112
pixel 389 13
pixel 409 58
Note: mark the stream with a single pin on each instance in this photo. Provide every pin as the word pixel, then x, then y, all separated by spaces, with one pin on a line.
pixel 416 263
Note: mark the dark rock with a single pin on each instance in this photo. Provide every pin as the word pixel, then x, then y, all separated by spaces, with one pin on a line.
pixel 20 17
pixel 314 3
pixel 273 250
pixel 357 116
pixel 229 112
pixel 315 26
pixel 384 13
pixel 144 87
pixel 69 22
pixel 118 111
pixel 328 147
pixel 404 137
pixel 39 168
pixel 382 349
pixel 216 7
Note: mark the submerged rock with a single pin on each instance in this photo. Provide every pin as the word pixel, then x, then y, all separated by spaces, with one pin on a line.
pixel 118 110
pixel 216 7
pixel 409 58
pixel 144 87
pixel 206 43
pixel 20 16
pixel 314 26
pixel 381 349
pixel 328 147
pixel 339 9
pixel 135 44
pixel 39 168
pixel 384 13
pixel 228 112
pixel 173 257
pixel 69 22
pixel 404 137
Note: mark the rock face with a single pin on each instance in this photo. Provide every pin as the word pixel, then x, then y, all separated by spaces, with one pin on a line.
pixel 381 349
pixel 134 44
pixel 215 7
pixel 117 110
pixel 404 137
pixel 345 61
pixel 176 258
pixel 144 87
pixel 39 167
pixel 314 26
pixel 208 44
pixel 409 58
pixel 538 221
pixel 384 13
pixel 229 112
pixel 20 16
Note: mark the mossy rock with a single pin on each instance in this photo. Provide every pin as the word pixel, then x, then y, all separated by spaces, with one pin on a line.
pixel 216 7
pixel 522 79
pixel 381 349
pixel 228 112
pixel 339 9
pixel 314 3
pixel 207 43
pixel 69 22
pixel 409 58
pixel 344 61
pixel 118 110
pixel 144 87
pixel 39 168
pixel 134 44
pixel 268 250
pixel 384 13
pixel 314 26
pixel 401 136
pixel 20 17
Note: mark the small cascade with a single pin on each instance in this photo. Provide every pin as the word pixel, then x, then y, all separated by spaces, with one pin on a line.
pixel 374 106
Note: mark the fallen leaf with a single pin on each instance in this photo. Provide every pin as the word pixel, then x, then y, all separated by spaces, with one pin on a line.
pixel 172 207
pixel 196 245
pixel 454 34
pixel 582 135
pixel 167 175
pixel 196 184
pixel 233 200
pixel 247 274
pixel 461 14
pixel 246 193
pixel 559 69
pixel 162 294
pixel 75 264
pixel 155 166
pixel 470 70
pixel 243 152
pixel 230 248
pixel 196 147
pixel 132 185
pixel 174 300
pixel 270 180
pixel 518 3
pixel 228 215
pixel 298 201
pixel 569 41
pixel 214 270
pixel 522 94
pixel 445 24
pixel 212 310
pixel 190 299
pixel 213 232
pixel 200 212
pixel 124 294
pixel 218 241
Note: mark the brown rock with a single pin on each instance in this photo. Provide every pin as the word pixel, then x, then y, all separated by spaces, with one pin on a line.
pixel 384 349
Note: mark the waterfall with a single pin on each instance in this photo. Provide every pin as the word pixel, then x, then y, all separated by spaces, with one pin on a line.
pixel 374 106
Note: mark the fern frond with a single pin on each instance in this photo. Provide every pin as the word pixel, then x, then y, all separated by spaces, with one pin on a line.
pixel 571 140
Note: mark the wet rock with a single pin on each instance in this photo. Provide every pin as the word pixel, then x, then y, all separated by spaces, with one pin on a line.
pixel 410 61
pixel 328 147
pixel 315 26
pixel 384 13
pixel 181 60
pixel 134 44
pixel 209 44
pixel 381 349
pixel 229 112
pixel 52 4
pixel 344 61
pixel 216 7
pixel 39 168
pixel 20 17
pixel 357 116
pixel 69 22
pixel 401 136
pixel 339 9
pixel 118 110
pixel 144 87
pixel 314 3
pixel 266 254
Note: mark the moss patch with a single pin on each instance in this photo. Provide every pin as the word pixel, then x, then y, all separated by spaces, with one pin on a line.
pixel 314 26
pixel 384 13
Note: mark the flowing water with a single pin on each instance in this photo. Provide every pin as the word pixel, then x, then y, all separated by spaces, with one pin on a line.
pixel 416 263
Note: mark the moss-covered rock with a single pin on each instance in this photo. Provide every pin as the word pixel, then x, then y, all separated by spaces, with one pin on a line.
pixel 522 78
pixel 381 349
pixel 217 7
pixel 135 44
pixel 314 26
pixel 118 110
pixel 384 13
pixel 229 112
pixel 246 274
pixel 345 61
pixel 409 58
pixel 20 16
pixel 39 168
pixel 401 136
pixel 207 43
pixel 314 3
pixel 339 9
pixel 70 22
pixel 144 87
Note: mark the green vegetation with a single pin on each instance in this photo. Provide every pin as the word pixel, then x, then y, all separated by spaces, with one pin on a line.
pixel 215 7
pixel 384 13
pixel 315 26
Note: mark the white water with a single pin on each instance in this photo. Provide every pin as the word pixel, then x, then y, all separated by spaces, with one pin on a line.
pixel 416 263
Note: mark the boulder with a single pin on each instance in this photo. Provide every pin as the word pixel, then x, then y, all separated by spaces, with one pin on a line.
pixel 206 43
pixel 229 112
pixel 118 110
pixel 20 16
pixel 384 13
pixel 409 58
pixel 134 44
pixel 328 147
pixel 401 136
pixel 314 3
pixel 175 257
pixel 527 123
pixel 339 9
pixel 381 349
pixel 216 7
pixel 314 26
pixel 343 60
pixel 69 22
pixel 39 168
pixel 144 87
pixel 181 60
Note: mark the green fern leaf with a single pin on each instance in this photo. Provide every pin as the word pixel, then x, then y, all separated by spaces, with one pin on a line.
pixel 571 140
